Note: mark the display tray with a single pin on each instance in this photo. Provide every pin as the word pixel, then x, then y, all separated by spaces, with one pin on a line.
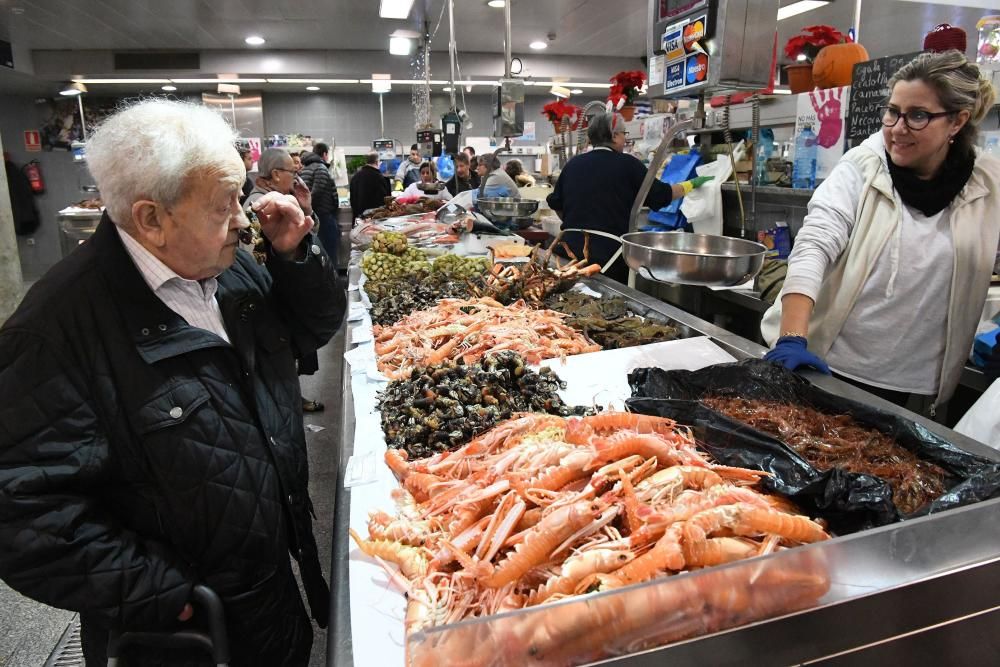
pixel 871 586
pixel 849 501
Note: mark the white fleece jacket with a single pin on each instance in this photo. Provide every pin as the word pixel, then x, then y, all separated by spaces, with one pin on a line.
pixel 898 294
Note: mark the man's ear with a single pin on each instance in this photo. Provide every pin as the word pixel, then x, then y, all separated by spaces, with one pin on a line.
pixel 148 218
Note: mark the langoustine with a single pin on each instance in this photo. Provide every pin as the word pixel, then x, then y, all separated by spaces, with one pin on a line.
pixel 543 509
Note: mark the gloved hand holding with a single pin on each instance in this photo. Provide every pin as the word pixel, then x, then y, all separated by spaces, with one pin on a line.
pixel 791 352
pixel 695 182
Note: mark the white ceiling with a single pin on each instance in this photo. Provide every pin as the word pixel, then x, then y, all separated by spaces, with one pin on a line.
pixel 582 27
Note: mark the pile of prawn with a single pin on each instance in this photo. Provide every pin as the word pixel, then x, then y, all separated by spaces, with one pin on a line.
pixel 543 508
pixel 467 329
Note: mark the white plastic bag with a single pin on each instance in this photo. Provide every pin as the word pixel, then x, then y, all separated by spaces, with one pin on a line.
pixel 703 207
pixel 982 421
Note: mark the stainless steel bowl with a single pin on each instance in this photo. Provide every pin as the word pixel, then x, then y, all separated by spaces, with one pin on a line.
pixel 502 208
pixel 692 259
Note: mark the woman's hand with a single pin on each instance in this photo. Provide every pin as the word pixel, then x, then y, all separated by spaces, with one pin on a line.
pixel 302 195
pixel 282 222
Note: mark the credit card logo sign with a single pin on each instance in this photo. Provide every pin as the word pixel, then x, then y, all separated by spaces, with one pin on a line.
pixel 696 69
pixel 675 76
pixel 673 43
pixel 694 32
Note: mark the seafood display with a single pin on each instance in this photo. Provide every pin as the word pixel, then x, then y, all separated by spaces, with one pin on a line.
pixel 536 280
pixel 543 508
pixel 467 329
pixel 396 298
pixel 392 257
pixel 608 321
pixel 461 268
pixel 393 208
pixel 837 441
pixel 444 406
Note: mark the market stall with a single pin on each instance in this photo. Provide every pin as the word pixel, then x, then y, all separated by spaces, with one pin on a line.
pixel 849 582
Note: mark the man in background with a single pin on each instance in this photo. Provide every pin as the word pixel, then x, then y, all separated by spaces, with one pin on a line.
pixel 473 163
pixel 369 187
pixel 247 158
pixel 462 180
pixel 325 201
pixel 409 170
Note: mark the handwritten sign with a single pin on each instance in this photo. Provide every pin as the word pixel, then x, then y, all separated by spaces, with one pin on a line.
pixel 869 91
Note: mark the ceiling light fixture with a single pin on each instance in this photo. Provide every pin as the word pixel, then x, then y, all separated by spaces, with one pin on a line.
pixel 226 80
pixel 313 81
pixel 381 83
pixel 538 45
pixel 801 7
pixel 89 81
pixel 394 9
pixel 400 46
pixel 169 88
pixel 576 91
pixel 560 92
pixel 496 4
pixel 312 87
pixel 73 89
pixel 446 89
pixel 254 40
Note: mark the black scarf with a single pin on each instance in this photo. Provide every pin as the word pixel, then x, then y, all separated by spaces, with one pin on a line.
pixel 932 196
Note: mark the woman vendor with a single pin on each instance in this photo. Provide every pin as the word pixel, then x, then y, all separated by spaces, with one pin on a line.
pixel 596 191
pixel 889 275
pixel 428 176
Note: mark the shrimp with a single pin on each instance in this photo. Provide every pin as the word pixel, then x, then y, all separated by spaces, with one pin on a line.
pixel 542 540
pixel 411 561
pixel 746 519
pixel 647 446
pixel 381 526
pixel 629 421
pixel 576 568
pixel 669 482
pixel 666 554
pixel 720 550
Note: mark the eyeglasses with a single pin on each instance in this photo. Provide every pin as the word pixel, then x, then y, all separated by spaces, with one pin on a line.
pixel 915 120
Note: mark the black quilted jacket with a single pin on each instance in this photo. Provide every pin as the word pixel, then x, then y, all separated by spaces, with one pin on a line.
pixel 316 174
pixel 140 455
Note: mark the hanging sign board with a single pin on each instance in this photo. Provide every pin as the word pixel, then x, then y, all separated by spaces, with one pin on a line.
pixel 32 141
pixel 869 91
pixel 686 60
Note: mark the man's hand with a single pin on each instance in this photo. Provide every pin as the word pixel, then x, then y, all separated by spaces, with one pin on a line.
pixel 282 222
pixel 186 613
pixel 302 195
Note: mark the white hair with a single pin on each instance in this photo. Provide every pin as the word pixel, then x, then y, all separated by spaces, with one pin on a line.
pixel 148 151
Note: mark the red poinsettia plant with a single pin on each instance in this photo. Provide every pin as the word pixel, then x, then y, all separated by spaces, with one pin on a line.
pixel 559 109
pixel 812 40
pixel 626 86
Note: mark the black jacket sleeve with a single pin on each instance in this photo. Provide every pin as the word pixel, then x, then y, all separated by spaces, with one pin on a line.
pixel 660 193
pixel 58 543
pixel 555 198
pixel 309 295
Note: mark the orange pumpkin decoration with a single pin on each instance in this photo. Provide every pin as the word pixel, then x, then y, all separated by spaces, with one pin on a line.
pixel 835 63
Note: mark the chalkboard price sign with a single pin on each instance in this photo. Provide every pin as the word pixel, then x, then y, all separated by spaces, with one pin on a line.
pixel 869 90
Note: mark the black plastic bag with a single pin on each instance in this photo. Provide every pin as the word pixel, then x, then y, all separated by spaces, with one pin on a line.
pixel 848 501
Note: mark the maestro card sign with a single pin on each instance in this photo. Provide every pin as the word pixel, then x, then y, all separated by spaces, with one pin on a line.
pixel 695 69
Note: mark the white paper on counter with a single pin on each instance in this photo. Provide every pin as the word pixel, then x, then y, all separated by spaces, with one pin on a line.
pixel 360 357
pixel 377 609
pixel 362 334
pixel 747 286
pixel 601 378
pixel 352 288
pixel 355 312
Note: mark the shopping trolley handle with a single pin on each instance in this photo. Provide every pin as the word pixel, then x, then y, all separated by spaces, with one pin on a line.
pixel 215 642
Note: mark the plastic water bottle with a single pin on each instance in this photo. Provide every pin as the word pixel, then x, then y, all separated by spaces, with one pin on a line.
pixel 804 166
pixel 760 167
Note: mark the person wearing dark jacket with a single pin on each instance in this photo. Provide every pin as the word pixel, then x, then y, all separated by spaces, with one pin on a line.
pixel 462 180
pixel 316 174
pixel 22 199
pixel 369 187
pixel 596 191
pixel 152 437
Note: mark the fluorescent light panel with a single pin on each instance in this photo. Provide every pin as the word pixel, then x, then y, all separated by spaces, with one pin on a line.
pixel 400 46
pixel 394 9
pixel 800 7
pixel 121 80
pixel 236 81
pixel 314 81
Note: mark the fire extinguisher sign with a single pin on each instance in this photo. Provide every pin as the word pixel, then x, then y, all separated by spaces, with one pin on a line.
pixel 32 141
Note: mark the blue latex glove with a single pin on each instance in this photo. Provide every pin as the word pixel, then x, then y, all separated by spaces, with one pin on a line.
pixel 791 352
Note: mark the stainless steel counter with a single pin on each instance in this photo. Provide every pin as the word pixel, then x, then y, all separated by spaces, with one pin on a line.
pixel 898 593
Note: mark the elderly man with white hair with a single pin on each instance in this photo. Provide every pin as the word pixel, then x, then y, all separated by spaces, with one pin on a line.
pixel 151 435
